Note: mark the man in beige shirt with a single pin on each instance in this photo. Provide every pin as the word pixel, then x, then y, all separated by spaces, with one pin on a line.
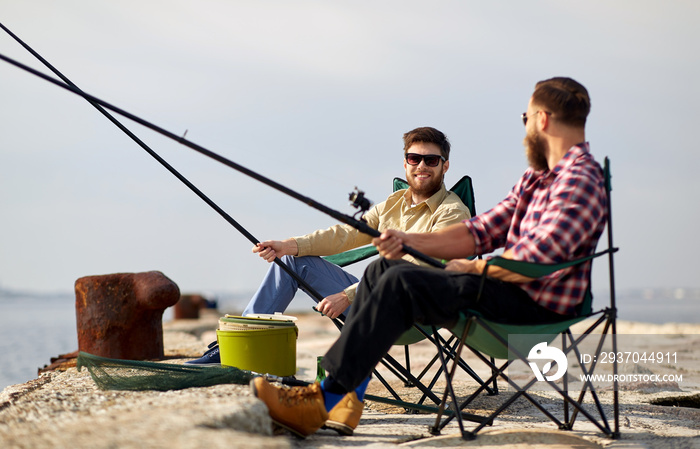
pixel 425 206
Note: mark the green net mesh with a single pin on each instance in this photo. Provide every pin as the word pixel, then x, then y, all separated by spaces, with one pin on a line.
pixel 113 374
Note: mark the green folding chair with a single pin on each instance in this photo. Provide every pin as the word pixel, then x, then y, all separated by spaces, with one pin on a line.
pixel 402 371
pixel 489 339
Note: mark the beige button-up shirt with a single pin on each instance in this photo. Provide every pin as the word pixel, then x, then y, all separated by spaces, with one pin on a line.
pixel 397 212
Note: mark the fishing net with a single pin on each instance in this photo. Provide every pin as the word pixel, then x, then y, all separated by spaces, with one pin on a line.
pixel 136 375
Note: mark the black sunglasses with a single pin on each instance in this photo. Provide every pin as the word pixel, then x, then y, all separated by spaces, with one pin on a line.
pixel 524 115
pixel 431 160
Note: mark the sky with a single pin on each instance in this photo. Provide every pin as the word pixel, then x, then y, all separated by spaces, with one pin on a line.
pixel 316 96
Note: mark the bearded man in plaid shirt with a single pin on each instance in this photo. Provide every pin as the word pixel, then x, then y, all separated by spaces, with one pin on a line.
pixel 555 213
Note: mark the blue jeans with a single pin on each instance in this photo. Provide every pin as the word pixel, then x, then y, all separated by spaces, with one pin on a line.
pixel 278 288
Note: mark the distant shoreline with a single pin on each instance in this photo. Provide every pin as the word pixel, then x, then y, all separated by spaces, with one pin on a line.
pixel 632 306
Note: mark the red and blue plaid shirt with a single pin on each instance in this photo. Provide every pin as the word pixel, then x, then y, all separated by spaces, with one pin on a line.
pixel 550 216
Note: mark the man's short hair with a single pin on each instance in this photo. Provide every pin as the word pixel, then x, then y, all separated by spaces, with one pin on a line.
pixel 428 135
pixel 566 99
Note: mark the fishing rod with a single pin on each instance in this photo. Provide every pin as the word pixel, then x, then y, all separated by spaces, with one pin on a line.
pixel 347 219
pixel 308 288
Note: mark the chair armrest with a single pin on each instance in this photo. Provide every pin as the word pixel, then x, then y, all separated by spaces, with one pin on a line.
pixel 536 270
pixel 352 256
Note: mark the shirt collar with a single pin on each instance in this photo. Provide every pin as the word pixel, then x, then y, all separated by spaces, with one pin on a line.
pixel 571 155
pixel 433 202
pixel 568 159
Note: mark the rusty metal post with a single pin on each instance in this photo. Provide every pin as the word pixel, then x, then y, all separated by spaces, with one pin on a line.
pixel 188 307
pixel 121 315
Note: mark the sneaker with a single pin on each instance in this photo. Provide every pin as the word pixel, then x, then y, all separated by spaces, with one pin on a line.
pixel 210 358
pixel 345 416
pixel 297 409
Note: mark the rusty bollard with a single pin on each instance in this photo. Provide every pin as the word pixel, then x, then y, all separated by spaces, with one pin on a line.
pixel 188 307
pixel 121 315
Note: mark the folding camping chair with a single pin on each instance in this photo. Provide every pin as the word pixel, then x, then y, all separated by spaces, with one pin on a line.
pixel 491 338
pixel 402 371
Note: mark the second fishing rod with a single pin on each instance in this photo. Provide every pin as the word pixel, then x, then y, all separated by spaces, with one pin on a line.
pixel 343 218
pixel 302 283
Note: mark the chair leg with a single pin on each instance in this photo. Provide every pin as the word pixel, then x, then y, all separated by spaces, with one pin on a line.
pixel 495 378
pixel 565 380
pixel 604 427
pixel 407 357
pixel 386 385
pixel 449 391
pixel 613 318
pixel 474 395
pixel 435 429
pixel 397 366
pixel 448 348
pixel 588 385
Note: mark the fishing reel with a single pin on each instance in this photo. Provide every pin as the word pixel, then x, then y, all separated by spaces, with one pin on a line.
pixel 359 201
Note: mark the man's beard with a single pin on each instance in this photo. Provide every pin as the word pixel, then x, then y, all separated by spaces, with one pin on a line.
pixel 535 150
pixel 428 189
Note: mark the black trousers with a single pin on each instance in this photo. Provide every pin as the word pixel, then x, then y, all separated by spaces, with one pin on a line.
pixel 394 294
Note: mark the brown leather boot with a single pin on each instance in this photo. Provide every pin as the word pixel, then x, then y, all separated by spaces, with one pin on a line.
pixel 298 409
pixel 345 416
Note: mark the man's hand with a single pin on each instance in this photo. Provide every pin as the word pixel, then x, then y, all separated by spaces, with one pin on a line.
pixel 465 266
pixel 477 266
pixel 271 249
pixel 333 305
pixel 390 243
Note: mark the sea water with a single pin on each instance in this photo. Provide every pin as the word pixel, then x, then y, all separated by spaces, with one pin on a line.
pixel 34 328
